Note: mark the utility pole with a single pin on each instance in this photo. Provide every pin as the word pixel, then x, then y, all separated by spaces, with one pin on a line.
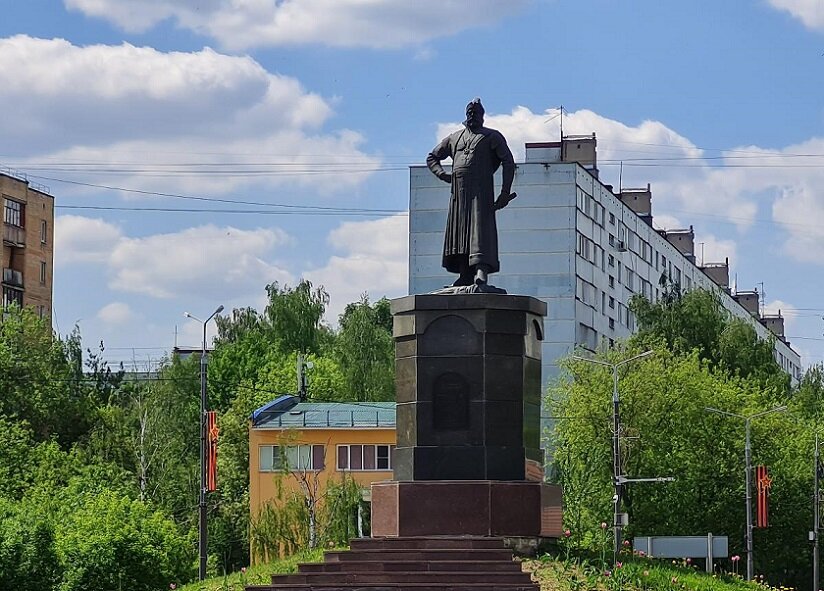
pixel 303 382
pixel 618 478
pixel 748 464
pixel 816 501
pixel 748 470
pixel 202 531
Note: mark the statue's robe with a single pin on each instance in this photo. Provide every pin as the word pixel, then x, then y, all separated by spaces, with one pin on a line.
pixel 471 236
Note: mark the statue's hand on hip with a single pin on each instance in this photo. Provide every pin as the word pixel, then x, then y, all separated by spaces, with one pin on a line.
pixel 445 177
pixel 503 200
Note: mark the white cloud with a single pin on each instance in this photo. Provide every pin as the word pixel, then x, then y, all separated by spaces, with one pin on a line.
pixel 711 249
pixel 225 261
pixel 339 23
pixel 115 313
pixel 800 210
pixel 83 240
pixel 809 12
pixel 373 259
pixel 228 264
pixel 198 121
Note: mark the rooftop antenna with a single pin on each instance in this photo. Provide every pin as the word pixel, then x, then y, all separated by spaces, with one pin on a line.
pixel 762 298
pixel 175 336
pixel 562 122
pixel 621 178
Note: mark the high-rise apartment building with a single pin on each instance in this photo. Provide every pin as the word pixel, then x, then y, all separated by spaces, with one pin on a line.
pixel 28 244
pixel 583 248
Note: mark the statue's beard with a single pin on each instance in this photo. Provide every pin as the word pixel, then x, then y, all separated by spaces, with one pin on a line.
pixel 474 122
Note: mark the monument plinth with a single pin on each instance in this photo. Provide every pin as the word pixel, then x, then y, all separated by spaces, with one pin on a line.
pixel 468 457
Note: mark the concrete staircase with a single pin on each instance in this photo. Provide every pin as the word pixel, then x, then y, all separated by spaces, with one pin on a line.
pixel 419 564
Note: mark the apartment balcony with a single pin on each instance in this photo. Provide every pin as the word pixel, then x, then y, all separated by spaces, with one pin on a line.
pixel 12 278
pixel 14 235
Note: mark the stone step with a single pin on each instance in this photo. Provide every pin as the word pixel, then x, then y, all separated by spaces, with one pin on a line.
pixel 350 578
pixel 479 554
pixel 411 565
pixel 428 543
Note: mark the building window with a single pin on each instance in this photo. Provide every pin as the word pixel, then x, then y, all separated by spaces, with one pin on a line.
pixel 363 458
pixel 612 324
pixel 44 231
pixel 611 261
pixel 611 281
pixel 274 458
pixel 12 296
pixel 611 240
pixel 612 303
pixel 42 271
pixel 41 311
pixel 612 219
pixel 13 213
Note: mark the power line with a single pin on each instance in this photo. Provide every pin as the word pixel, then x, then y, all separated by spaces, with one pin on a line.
pixel 214 199
pixel 368 213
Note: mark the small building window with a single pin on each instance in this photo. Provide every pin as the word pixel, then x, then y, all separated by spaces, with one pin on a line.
pixel 274 458
pixel 43 272
pixel 365 458
pixel 13 212
pixel 12 296
pixel 44 231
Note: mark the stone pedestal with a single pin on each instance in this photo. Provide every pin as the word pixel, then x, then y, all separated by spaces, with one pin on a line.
pixel 468 382
pixel 468 457
pixel 466 508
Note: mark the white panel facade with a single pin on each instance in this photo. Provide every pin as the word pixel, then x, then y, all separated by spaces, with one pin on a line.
pixel 568 240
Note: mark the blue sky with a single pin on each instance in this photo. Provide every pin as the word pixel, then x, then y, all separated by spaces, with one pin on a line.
pixel 325 103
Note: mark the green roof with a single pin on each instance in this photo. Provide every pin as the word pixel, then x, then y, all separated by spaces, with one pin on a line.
pixel 322 415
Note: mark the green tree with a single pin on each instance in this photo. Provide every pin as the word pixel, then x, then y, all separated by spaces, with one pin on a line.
pixel 295 316
pixel 668 432
pixel 109 541
pixel 27 556
pixel 366 350
pixel 696 320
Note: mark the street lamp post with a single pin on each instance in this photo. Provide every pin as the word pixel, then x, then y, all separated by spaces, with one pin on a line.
pixel 816 516
pixel 748 469
pixel 202 539
pixel 618 478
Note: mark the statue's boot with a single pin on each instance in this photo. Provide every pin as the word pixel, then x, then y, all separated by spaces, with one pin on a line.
pixel 465 277
pixel 481 275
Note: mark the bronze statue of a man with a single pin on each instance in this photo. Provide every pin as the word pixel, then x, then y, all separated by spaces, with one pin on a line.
pixel 470 245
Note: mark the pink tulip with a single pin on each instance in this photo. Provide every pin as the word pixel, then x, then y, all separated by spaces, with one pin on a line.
pixel 567 533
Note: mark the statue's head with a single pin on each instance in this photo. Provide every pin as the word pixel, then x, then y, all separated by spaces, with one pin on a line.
pixel 474 114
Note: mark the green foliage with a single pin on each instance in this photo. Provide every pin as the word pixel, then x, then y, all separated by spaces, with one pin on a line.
pixel 27 558
pixel 697 321
pixel 307 516
pixel 668 432
pixel 366 350
pixel 260 574
pixel 109 540
pixel 295 316
pixel 42 380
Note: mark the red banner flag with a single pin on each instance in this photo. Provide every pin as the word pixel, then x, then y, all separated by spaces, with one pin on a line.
pixel 212 433
pixel 763 482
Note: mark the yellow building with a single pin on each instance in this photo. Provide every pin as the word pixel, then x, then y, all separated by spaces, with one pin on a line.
pixel 28 244
pixel 329 439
